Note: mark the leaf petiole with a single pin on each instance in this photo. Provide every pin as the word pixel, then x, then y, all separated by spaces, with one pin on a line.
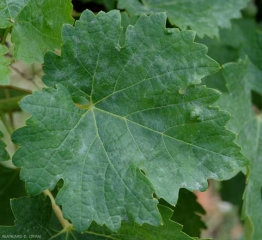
pixel 7 30
pixel 67 227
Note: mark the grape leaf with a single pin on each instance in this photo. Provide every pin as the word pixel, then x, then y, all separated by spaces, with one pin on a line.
pixel 253 49
pixel 243 39
pixel 37 20
pixel 248 127
pixel 126 20
pixel 33 217
pixel 29 223
pixel 10 187
pixel 251 134
pixel 236 76
pixel 137 121
pixel 243 29
pixel 203 16
pixel 4 70
pixel 186 212
pixel 3 153
pixel 169 230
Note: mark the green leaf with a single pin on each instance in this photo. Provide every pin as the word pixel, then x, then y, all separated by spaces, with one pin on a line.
pixel 238 94
pixel 32 218
pixel 203 16
pixel 40 21
pixel 186 212
pixel 4 70
pixel 248 127
pixel 253 49
pixel 10 187
pixel 242 29
pixel 169 230
pixel 252 207
pixel 135 124
pixel 243 39
pixel 3 153
pixel 126 20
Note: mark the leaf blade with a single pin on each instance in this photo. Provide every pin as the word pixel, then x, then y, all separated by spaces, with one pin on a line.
pixel 124 143
pixel 23 17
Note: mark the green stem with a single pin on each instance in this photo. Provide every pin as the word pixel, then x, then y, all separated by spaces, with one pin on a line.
pixel 7 30
pixel 10 113
pixel 16 88
pixel 10 104
pixel 6 123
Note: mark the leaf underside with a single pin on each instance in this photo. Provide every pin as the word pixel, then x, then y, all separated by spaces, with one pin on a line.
pixel 119 123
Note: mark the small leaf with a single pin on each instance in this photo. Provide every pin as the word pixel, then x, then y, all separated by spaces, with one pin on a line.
pixel 134 135
pixel 4 70
pixel 32 218
pixel 203 16
pixel 36 26
pixel 10 187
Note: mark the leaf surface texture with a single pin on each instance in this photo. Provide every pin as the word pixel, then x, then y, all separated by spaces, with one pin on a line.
pixel 36 25
pixel 119 123
pixel 203 16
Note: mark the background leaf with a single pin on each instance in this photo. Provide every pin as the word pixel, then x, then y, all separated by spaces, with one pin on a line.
pixel 243 39
pixel 32 218
pixel 247 125
pixel 10 187
pixel 169 230
pixel 203 16
pixel 36 26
